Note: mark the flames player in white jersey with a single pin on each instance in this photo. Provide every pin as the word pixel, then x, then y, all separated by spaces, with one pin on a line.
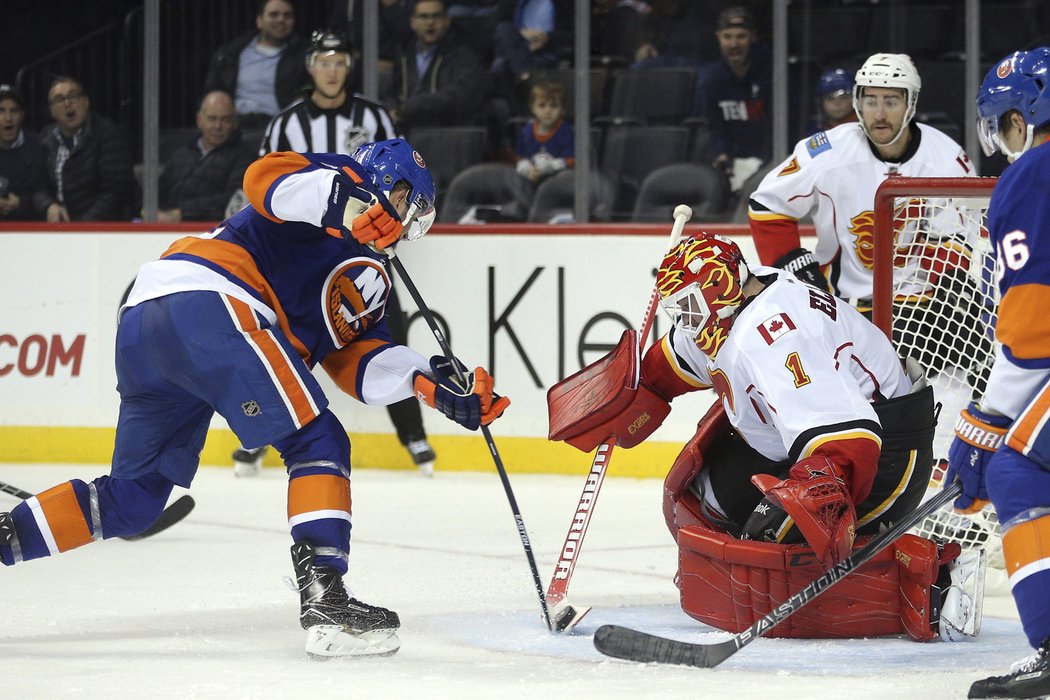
pixel 834 174
pixel 819 434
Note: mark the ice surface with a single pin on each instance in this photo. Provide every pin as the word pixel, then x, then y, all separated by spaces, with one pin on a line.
pixel 200 611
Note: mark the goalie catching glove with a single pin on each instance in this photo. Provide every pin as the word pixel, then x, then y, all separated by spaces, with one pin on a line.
pixel 469 402
pixel 815 496
pixel 977 437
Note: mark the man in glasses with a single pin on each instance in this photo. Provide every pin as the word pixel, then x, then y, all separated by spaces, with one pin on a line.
pixel 88 158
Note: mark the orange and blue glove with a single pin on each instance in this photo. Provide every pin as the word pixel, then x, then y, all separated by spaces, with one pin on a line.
pixel 469 402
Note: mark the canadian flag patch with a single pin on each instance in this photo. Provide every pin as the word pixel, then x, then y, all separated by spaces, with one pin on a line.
pixel 775 327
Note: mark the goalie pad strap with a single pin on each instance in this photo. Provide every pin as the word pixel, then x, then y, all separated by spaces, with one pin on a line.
pixel 730 584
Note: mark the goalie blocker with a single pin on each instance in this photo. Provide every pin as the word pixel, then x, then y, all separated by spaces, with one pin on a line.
pixel 913 587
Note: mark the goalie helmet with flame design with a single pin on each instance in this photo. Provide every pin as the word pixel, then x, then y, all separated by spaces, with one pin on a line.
pixel 701 285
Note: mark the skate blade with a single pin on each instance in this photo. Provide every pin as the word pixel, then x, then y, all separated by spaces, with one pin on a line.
pixel 325 642
pixel 565 617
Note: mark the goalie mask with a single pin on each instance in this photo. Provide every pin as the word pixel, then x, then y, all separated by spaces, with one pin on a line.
pixel 1020 82
pixel 393 161
pixel 701 285
pixel 888 70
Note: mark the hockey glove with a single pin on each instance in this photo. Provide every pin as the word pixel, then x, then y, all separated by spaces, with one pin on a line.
pixel 816 497
pixel 977 436
pixel 470 402
pixel 368 218
pixel 801 263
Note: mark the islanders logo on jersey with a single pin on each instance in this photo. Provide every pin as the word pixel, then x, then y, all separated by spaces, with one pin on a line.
pixel 354 298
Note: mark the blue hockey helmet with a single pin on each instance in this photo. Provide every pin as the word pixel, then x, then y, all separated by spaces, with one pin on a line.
pixel 392 161
pixel 1021 82
pixel 834 81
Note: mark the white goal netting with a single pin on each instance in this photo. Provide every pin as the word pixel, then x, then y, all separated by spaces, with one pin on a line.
pixel 943 315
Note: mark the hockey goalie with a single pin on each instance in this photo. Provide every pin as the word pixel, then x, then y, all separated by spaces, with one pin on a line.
pixel 819 437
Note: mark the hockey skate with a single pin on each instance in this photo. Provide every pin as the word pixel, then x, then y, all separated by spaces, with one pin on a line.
pixel 962 602
pixel 248 462
pixel 336 623
pixel 423 455
pixel 1029 678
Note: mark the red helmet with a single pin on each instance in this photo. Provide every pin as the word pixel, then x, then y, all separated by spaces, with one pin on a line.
pixel 701 284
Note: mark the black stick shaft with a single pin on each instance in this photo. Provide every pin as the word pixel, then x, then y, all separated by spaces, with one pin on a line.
pixel 447 351
pixel 14 491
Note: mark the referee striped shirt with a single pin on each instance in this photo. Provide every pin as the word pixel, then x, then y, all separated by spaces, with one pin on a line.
pixel 306 128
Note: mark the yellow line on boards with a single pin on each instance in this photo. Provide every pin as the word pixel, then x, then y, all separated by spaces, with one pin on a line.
pixel 522 455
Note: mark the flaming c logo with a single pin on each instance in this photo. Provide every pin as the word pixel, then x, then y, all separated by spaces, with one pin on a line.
pixel 862 226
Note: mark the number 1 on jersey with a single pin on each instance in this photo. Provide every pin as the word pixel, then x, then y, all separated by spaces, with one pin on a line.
pixel 794 363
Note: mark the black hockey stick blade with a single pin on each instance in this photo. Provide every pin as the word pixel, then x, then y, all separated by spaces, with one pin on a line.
pixel 178 510
pixel 632 645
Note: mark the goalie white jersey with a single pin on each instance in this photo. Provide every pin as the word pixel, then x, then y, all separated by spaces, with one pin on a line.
pixel 833 175
pixel 799 368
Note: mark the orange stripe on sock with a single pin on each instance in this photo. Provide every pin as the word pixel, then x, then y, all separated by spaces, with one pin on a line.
pixel 64 517
pixel 1025 543
pixel 318 492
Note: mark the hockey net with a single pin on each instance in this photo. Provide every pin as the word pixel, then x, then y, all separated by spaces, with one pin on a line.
pixel 934 290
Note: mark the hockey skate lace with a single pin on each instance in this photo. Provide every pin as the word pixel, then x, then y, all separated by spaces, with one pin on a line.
pixel 1035 662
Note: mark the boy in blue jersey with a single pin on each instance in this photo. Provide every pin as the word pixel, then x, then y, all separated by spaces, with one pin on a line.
pixel 1001 451
pixel 232 321
pixel 547 143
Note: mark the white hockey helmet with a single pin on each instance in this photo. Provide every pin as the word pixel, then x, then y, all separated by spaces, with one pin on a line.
pixel 888 70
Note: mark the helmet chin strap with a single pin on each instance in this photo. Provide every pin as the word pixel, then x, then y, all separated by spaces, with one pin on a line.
pixel 1010 155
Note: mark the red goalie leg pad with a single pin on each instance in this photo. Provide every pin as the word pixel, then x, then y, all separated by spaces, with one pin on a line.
pixel 681 506
pixel 730 584
pixel 604 400
pixel 919 563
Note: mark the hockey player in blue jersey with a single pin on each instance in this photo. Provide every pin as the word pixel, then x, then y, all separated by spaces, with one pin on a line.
pixel 1002 447
pixel 232 321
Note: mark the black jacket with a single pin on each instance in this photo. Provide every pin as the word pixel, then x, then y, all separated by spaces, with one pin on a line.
pixel 451 91
pixel 202 186
pixel 25 170
pixel 98 183
pixel 291 75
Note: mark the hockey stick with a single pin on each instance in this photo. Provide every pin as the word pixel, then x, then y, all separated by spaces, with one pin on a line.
pixel 624 643
pixel 175 512
pixel 565 615
pixel 447 351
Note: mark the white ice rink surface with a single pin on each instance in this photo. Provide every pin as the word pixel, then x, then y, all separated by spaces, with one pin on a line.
pixel 200 611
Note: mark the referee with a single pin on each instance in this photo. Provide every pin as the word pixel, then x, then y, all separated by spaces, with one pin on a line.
pixel 331 119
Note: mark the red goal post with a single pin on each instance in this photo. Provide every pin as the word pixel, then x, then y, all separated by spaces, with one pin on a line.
pixel 935 297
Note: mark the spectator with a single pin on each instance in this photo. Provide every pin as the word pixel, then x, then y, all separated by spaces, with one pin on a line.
pixel 331 119
pixel 618 29
pixel 436 82
pixel 546 144
pixel 835 101
pixel 24 192
pixel 263 70
pixel 88 159
pixel 202 175
pixel 733 96
pixel 669 34
pixel 394 31
pixel 522 40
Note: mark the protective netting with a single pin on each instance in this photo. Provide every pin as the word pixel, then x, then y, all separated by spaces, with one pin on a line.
pixel 945 302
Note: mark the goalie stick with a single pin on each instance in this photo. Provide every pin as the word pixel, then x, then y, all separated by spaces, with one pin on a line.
pixel 175 512
pixel 565 615
pixel 447 351
pixel 632 645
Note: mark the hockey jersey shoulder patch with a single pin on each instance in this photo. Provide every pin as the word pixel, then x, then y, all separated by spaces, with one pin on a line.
pixel 354 298
pixel 817 144
pixel 776 326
